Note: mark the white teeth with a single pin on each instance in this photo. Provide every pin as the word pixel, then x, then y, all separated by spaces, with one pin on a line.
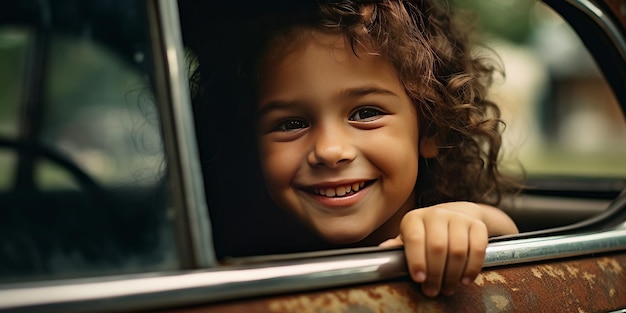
pixel 330 192
pixel 339 191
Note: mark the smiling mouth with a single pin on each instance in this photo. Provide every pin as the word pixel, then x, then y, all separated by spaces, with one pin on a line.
pixel 342 191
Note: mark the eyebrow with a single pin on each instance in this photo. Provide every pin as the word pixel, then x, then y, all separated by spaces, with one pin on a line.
pixel 366 90
pixel 355 92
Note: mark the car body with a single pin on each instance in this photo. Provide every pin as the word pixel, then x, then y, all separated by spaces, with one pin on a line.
pixel 120 222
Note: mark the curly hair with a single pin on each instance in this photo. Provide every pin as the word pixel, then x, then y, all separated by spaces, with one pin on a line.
pixel 432 52
pixel 425 41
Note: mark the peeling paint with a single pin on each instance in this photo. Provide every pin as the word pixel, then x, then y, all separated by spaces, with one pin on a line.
pixel 492 277
pixel 573 272
pixel 610 265
pixel 553 271
pixel 500 301
pixel 536 272
pixel 589 278
pixel 377 299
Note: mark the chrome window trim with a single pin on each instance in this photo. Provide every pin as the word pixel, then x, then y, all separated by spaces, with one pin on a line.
pixel 196 227
pixel 603 21
pixel 276 277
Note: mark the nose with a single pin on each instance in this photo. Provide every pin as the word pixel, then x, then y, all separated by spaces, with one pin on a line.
pixel 331 148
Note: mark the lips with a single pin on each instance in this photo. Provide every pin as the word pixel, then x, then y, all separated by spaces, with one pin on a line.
pixel 340 190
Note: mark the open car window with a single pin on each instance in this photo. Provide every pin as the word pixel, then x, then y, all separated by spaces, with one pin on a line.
pixel 564 130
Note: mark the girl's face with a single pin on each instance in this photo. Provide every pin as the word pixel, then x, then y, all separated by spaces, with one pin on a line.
pixel 339 139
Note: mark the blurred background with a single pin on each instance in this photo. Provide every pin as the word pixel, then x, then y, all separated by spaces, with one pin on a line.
pixel 562 117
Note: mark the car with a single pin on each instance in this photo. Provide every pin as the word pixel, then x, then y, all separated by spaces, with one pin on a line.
pixel 104 194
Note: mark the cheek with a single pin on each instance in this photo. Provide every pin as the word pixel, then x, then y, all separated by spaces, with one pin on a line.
pixel 276 165
pixel 397 156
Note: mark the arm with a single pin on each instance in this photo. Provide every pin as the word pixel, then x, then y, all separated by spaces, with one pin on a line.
pixel 445 244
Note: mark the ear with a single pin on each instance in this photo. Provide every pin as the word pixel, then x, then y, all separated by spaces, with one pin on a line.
pixel 429 147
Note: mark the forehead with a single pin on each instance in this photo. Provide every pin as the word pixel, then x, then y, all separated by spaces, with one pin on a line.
pixel 295 40
pixel 320 67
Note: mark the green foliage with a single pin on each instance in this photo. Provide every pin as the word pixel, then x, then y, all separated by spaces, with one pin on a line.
pixel 509 19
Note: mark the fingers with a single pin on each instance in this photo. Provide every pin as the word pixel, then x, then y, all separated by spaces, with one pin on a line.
pixel 478 236
pixel 437 245
pixel 443 249
pixel 458 248
pixel 413 236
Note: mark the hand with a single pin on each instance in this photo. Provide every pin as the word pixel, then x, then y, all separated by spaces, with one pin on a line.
pixel 444 244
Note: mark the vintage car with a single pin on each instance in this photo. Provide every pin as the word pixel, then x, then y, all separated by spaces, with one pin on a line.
pixel 103 204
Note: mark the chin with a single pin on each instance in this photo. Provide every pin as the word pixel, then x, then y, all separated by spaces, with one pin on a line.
pixel 343 238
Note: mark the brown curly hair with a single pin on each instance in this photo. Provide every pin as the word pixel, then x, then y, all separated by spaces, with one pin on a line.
pixel 431 50
pixel 427 43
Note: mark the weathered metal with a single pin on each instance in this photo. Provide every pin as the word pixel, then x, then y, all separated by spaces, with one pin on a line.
pixel 591 284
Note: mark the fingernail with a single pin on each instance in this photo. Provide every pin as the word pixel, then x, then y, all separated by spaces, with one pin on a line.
pixel 466 281
pixel 420 277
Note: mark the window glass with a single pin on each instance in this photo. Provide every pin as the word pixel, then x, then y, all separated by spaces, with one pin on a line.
pixel 562 117
pixel 102 115
pixel 13 42
pixel 83 184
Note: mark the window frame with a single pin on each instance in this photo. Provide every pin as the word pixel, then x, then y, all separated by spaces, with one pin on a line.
pixel 193 226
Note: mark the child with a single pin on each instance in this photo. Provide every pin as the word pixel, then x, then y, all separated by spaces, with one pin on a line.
pixel 352 99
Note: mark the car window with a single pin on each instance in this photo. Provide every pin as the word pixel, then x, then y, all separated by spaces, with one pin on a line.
pixel 83 184
pixel 13 49
pixel 564 131
pixel 562 116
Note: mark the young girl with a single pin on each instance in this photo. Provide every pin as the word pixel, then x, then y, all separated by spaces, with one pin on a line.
pixel 350 100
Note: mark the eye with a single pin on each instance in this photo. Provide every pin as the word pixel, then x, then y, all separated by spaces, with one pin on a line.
pixel 366 115
pixel 291 125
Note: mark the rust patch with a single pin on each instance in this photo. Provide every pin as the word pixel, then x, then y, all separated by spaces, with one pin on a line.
pixel 385 298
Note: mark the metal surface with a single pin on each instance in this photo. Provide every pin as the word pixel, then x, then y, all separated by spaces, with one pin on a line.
pixel 541 249
pixel 604 22
pixel 279 277
pixel 595 284
pixel 179 130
